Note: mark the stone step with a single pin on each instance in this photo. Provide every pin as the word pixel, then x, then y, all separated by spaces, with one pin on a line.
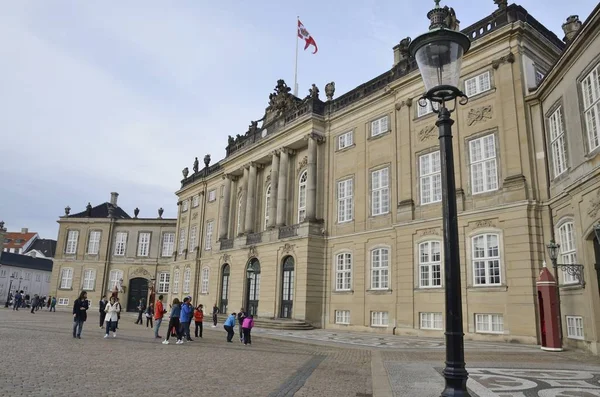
pixel 276 323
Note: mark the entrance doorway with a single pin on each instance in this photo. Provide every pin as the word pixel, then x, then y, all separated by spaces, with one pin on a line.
pixel 287 287
pixel 252 287
pixel 224 288
pixel 138 289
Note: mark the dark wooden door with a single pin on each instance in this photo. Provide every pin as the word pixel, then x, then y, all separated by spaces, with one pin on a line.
pixel 287 288
pixel 138 289
pixel 224 289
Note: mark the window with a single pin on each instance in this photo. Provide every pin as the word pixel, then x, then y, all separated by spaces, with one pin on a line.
pixel 380 126
pixel 163 283
pixel 380 192
pixel 27 275
pixel 168 244
pixel 181 241
pixel 114 278
pixel 568 254
pixel 431 321
pixel 430 178
pixel 302 197
pixel 267 205
pixel 94 242
pixel 343 272
pixel 590 87
pixel 195 201
pixel 430 266
pixel 66 278
pixel 176 275
pixel 425 110
pixel 575 327
pixel 240 222
pixel 489 323
pixel 3 273
pixel 48 278
pixel 486 260
pixel 212 195
pixel 193 239
pixel 38 278
pixel 539 76
pixel 345 140
pixel 187 276
pixel 121 243
pixel 184 205
pixel 478 84
pixel 342 317
pixel 484 176
pixel 89 279
pixel 557 142
pixel 144 244
pixel 72 238
pixel 345 202
pixel 380 268
pixel 209 233
pixel 204 284
pixel 379 319
pixel 63 301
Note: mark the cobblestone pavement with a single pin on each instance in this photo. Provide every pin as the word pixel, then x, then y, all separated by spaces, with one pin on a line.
pixel 42 359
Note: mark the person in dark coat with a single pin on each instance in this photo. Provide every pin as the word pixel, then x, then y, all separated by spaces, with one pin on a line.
pixel 102 308
pixel 80 314
pixel 34 303
pixel 141 309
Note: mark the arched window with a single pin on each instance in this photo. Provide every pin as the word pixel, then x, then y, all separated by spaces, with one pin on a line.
pixel 430 264
pixel 240 222
pixel 568 253
pixel 205 274
pixel 343 271
pixel 224 288
pixel 380 268
pixel 114 278
pixel 66 278
pixel 486 259
pixel 267 205
pixel 302 197
pixel 187 276
pixel 176 281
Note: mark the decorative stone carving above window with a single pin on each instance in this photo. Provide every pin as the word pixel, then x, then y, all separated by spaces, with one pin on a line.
pixel 303 163
pixel 481 114
pixel 252 252
pixel 485 223
pixel 427 133
pixel 431 231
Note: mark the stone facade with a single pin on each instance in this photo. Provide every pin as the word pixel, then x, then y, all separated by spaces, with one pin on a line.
pixel 330 212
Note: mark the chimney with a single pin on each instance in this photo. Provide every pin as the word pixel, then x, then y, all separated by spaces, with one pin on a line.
pixel 571 27
pixel 113 198
pixel 24 230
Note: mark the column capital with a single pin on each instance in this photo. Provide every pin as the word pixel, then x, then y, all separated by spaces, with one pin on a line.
pixel 316 137
pixel 288 151
pixel 227 176
pixel 275 152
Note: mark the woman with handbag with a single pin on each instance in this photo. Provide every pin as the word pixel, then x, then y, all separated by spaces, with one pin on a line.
pixel 112 309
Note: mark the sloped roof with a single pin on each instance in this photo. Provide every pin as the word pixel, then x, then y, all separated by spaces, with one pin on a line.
pixel 101 211
pixel 26 262
pixel 45 246
pixel 17 239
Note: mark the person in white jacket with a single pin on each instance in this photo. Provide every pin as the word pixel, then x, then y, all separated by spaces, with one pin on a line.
pixel 112 315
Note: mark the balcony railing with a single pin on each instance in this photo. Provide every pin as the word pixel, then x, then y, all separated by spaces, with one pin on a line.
pixel 253 238
pixel 288 231
pixel 226 244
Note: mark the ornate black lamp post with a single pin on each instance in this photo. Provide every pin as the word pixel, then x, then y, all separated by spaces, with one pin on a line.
pixel 439 56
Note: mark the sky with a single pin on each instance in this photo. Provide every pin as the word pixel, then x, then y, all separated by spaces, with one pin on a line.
pixel 103 96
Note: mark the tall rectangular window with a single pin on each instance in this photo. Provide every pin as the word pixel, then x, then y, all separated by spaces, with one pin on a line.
pixel 590 87
pixel 163 283
pixel 181 240
pixel 575 327
pixel 380 126
pixel 193 239
pixel 187 277
pixel 66 278
pixel 114 278
pixel 379 319
pixel 345 203
pixel 484 175
pixel 168 244
pixel 425 110
pixel 380 266
pixel 204 284
pixel 343 272
pixel 72 239
pixel 568 251
pixel 557 142
pixel 212 195
pixel 208 237
pixel 342 317
pixel 431 321
pixel 345 140
pixel 486 260
pixel 430 178
pixel 478 84
pixel 380 192
pixel 121 243
pixel 94 242
pixel 184 205
pixel 489 323
pixel 195 201
pixel 176 277
pixel 89 279
pixel 144 244
pixel 430 264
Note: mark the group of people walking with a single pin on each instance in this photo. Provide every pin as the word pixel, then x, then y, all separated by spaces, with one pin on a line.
pixel 22 300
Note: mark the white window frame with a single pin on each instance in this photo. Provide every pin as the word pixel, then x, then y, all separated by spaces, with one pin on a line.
pixel 143 244
pixel 343 271
pixel 184 205
pixel 176 277
pixel 120 243
pixel 380 268
pixel 430 178
pixel 490 260
pixel 478 84
pixel 427 109
pixel 380 191
pixel 187 278
pixel 590 91
pixel 568 251
pixel 345 140
pixel 431 321
pixel 212 195
pixel 205 280
pixel 193 241
pixel 575 327
pixel 485 323
pixel 380 319
pixel 66 278
pixel 72 240
pixel 345 200
pixel 94 242
pixel 210 225
pixel 89 279
pixel 195 201
pixel 302 195
pixel 62 301
pixel 267 204
pixel 168 244
pixel 484 165
pixel 114 277
pixel 430 264
pixel 181 247
pixel 558 142
pixel 380 126
pixel 163 282
pixel 342 317
pixel 27 275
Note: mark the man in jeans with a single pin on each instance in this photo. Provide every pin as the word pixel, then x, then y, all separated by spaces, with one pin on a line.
pixel 80 314
pixel 101 308
pixel 159 311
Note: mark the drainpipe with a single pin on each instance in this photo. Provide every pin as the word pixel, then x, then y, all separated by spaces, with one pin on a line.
pixel 200 242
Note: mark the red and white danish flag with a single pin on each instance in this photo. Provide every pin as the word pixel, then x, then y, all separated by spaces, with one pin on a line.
pixel 303 34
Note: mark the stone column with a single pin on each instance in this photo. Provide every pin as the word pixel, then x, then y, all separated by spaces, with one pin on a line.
pixel 223 228
pixel 251 199
pixel 242 209
pixel 311 178
pixel 274 185
pixel 282 187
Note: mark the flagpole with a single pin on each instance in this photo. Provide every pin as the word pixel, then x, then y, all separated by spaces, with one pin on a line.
pixel 296 66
